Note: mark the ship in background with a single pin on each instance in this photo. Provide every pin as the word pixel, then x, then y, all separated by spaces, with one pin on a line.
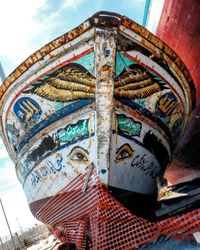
pixel 107 99
pixel 177 23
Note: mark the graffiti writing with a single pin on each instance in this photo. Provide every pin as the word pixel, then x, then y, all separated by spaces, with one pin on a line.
pixel 46 170
pixel 142 163
pixel 24 170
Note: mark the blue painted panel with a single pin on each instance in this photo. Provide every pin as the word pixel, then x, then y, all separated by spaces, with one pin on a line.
pixel 27 109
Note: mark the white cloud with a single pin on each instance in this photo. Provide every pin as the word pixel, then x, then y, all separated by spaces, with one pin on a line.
pixel 17 27
pixel 1 141
pixel 71 4
pixel 8 178
pixel 22 33
pixel 3 153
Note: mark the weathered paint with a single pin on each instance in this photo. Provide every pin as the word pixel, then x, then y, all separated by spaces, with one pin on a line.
pixel 50 107
pixel 105 43
pixel 179 28
pixel 67 161
pixel 108 94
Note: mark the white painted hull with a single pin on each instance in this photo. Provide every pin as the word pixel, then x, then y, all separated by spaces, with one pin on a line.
pixel 119 101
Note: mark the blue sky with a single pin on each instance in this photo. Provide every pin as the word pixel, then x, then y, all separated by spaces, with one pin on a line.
pixel 35 23
pixel 25 26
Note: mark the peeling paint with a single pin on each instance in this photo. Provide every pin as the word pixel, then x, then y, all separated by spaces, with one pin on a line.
pixel 109 94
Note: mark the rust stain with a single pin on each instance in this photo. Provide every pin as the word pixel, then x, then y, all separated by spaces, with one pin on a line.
pixel 100 20
pixel 147 36
pixel 45 50
pixel 105 20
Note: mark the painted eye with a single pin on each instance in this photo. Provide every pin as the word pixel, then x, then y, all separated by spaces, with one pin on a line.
pixel 79 157
pixel 124 152
pixel 79 154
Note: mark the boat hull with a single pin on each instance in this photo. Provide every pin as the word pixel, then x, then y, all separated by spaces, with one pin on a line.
pixel 107 98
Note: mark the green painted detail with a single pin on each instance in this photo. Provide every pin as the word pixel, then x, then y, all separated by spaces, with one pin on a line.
pixel 121 63
pixel 156 78
pixel 166 120
pixel 72 131
pixel 33 85
pixel 128 125
pixel 45 77
pixel 37 82
pixel 60 105
pixel 141 102
pixel 87 62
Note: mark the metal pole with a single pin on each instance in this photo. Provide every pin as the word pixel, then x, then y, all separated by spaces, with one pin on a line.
pixel 20 228
pixel 146 13
pixel 1 244
pixel 2 74
pixel 8 224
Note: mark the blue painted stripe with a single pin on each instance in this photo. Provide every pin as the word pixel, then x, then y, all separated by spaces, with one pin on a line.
pixel 81 138
pixel 58 115
pixel 130 138
pixel 148 114
pixel 146 13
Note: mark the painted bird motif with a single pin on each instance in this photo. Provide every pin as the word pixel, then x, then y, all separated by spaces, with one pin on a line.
pixel 73 82
pixel 68 83
pixel 136 83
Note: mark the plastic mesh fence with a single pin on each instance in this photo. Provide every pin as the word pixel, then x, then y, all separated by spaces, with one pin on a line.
pixel 72 214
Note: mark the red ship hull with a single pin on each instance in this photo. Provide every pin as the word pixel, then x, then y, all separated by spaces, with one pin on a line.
pixel 179 28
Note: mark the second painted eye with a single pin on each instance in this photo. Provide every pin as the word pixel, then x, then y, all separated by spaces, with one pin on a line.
pixel 79 154
pixel 123 153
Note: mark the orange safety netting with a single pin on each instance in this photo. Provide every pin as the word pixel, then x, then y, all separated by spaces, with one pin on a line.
pixel 72 214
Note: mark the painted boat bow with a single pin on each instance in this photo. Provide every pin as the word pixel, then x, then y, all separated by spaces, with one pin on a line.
pixel 108 93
